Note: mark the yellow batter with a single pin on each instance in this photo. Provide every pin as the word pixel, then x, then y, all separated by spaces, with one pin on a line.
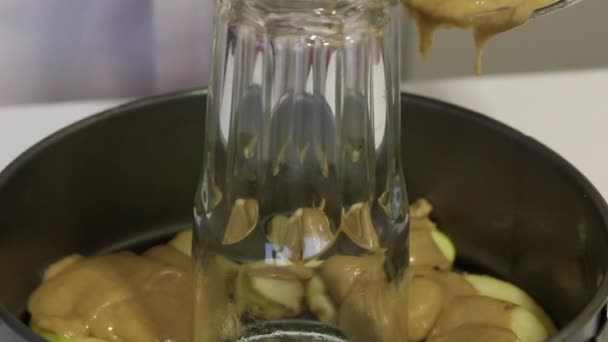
pixel 485 18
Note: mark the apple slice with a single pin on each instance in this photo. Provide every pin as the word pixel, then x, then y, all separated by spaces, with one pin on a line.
pixel 445 244
pixel 431 249
pixel 527 326
pixel 421 208
pixel 483 310
pixel 183 242
pixel 318 300
pixel 51 337
pixel 499 289
pixel 268 297
pixel 474 332
pixel 60 266
pixel 286 293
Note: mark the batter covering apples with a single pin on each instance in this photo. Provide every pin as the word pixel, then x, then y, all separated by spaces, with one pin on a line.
pixel 128 297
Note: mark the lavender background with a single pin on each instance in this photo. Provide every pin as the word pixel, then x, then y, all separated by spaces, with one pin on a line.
pixel 54 50
pixel 57 50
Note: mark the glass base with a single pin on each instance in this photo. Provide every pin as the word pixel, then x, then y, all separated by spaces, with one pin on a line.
pixel 292 330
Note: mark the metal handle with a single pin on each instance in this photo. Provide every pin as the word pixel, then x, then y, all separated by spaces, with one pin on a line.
pixel 560 4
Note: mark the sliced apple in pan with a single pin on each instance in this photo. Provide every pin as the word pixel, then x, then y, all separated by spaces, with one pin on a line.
pixel 482 310
pixel 421 208
pixel 499 289
pixel 527 326
pixel 475 332
pixel 51 337
pixel 445 244
pixel 287 293
pixel 431 249
pixel 183 242
pixel 268 297
pixel 61 265
pixel 319 302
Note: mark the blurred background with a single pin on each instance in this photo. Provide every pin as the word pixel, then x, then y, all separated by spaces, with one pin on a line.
pixel 62 50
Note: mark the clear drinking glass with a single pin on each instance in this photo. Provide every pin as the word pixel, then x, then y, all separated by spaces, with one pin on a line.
pixel 301 218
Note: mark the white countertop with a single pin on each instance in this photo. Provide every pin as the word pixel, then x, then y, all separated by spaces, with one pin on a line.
pixel 565 111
